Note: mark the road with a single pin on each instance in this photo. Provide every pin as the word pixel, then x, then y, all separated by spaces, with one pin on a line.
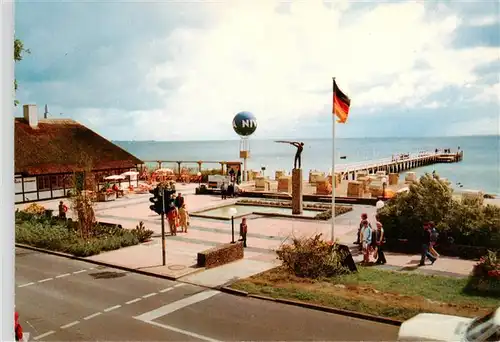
pixel 60 299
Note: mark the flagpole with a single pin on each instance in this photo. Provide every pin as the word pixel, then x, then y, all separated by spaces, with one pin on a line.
pixel 334 181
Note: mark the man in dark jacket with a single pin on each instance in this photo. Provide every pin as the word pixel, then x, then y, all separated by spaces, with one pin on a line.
pixel 179 201
pixel 426 242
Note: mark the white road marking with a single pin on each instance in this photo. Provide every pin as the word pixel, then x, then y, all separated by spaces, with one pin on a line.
pixel 81 271
pixel 179 285
pixel 69 325
pixel 28 284
pixel 149 295
pixel 180 304
pixel 62 275
pixel 182 331
pixel 44 335
pixel 112 308
pixel 44 280
pixel 133 301
pixel 92 316
pixel 166 290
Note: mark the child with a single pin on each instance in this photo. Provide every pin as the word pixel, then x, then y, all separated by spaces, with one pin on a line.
pixel 183 218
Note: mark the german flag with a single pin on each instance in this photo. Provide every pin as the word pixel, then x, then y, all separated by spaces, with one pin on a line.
pixel 341 104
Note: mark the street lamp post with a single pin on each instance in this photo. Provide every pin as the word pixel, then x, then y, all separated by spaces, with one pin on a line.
pixel 232 212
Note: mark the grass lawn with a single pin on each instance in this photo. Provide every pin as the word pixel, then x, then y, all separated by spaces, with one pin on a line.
pixel 396 295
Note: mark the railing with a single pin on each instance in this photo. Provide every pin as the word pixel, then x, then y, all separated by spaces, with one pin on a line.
pixel 381 162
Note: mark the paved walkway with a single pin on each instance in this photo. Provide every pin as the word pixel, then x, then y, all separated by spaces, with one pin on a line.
pixel 266 234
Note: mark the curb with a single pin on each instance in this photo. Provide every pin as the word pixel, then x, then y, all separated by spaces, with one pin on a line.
pixel 317 307
pixel 95 262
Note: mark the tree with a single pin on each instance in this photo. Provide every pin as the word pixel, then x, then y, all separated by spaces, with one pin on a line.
pixel 82 203
pixel 19 52
pixel 468 221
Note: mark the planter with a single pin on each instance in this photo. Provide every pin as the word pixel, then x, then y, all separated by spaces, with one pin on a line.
pixel 105 197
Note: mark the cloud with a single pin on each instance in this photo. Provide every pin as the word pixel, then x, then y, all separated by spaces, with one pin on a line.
pixel 171 71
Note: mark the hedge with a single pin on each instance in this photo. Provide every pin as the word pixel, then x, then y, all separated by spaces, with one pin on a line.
pixel 220 255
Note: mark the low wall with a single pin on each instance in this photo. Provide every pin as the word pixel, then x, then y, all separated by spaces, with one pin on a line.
pixel 220 255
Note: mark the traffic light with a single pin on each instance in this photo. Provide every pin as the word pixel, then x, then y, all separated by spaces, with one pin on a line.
pixel 157 201
pixel 169 201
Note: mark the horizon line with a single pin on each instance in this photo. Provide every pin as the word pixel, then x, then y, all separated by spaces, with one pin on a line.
pixel 267 139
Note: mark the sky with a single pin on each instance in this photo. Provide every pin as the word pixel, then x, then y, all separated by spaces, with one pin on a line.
pixel 161 70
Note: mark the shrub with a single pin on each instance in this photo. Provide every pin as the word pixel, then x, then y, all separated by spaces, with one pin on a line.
pixel 488 266
pixel 35 209
pixel 312 258
pixel 142 233
pixel 57 235
pixel 467 222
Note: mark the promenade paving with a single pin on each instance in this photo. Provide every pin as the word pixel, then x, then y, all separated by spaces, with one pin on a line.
pixel 265 235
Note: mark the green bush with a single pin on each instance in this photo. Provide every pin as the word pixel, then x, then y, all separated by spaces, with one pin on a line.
pixel 142 233
pixel 312 258
pixel 464 222
pixel 55 235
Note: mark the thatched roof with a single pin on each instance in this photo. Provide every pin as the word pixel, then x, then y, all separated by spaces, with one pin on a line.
pixel 63 145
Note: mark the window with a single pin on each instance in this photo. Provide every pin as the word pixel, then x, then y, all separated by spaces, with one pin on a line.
pixel 43 183
pixel 54 182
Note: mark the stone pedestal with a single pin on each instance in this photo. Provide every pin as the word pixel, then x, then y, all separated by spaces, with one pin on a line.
pixel 297 179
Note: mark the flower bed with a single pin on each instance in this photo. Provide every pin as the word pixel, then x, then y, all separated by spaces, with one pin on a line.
pixel 63 236
pixel 485 276
pixel 324 209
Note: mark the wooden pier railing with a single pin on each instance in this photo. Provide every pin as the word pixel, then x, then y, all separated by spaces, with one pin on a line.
pixel 397 164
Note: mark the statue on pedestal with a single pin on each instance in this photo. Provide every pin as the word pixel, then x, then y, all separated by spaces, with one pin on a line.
pixel 298 155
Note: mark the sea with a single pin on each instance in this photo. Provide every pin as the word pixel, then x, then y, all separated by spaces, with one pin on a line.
pixel 479 170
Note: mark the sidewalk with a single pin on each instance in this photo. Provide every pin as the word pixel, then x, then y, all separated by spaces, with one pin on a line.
pixel 265 235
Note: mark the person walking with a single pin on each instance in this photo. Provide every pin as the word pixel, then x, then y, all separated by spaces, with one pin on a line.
pixel 179 201
pixel 243 231
pixel 366 240
pixel 364 217
pixel 434 239
pixel 172 217
pixel 379 241
pixel 183 218
pixel 223 190
pixel 63 209
pixel 426 242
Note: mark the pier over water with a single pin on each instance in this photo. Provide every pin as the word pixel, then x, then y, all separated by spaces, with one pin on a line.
pixel 394 164
pixel 397 164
